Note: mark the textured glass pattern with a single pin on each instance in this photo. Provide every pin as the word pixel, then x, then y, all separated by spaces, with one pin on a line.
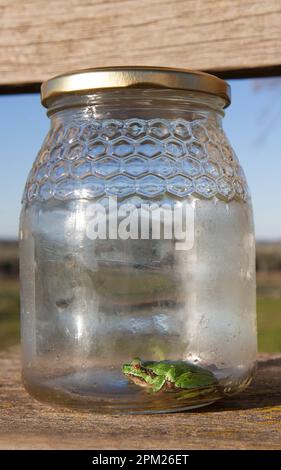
pixel 136 156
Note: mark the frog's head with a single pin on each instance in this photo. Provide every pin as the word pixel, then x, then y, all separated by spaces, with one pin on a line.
pixel 137 373
pixel 133 367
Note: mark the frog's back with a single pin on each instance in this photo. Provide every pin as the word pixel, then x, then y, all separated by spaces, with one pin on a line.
pixel 163 367
pixel 178 367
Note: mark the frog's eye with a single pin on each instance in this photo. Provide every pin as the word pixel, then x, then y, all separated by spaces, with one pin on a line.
pixel 136 363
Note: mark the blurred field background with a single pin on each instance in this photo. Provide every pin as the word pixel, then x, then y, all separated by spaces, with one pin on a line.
pixel 268 295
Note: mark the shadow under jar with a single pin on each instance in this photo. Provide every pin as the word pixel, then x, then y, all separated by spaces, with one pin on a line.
pixel 137 246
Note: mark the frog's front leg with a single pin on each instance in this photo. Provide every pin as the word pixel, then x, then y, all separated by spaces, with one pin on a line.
pixel 172 374
pixel 157 383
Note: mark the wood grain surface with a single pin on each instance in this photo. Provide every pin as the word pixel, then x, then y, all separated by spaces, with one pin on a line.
pixel 251 420
pixel 40 38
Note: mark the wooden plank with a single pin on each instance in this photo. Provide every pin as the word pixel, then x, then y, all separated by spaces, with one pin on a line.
pixel 40 38
pixel 250 420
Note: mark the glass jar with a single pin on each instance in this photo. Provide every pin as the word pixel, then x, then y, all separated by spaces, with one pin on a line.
pixel 137 246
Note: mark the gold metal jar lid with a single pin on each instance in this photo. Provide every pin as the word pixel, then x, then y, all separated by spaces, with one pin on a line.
pixel 89 80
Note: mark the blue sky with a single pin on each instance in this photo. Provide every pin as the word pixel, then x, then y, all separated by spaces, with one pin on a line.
pixel 252 122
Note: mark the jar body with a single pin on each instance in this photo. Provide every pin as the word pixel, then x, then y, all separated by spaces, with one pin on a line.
pixel 99 287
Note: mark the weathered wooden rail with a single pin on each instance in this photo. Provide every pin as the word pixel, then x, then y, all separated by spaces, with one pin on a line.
pixel 233 38
pixel 251 420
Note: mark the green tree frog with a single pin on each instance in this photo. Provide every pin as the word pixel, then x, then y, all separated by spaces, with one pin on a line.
pixel 169 375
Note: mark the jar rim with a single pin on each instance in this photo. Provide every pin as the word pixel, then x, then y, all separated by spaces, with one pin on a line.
pixel 103 78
